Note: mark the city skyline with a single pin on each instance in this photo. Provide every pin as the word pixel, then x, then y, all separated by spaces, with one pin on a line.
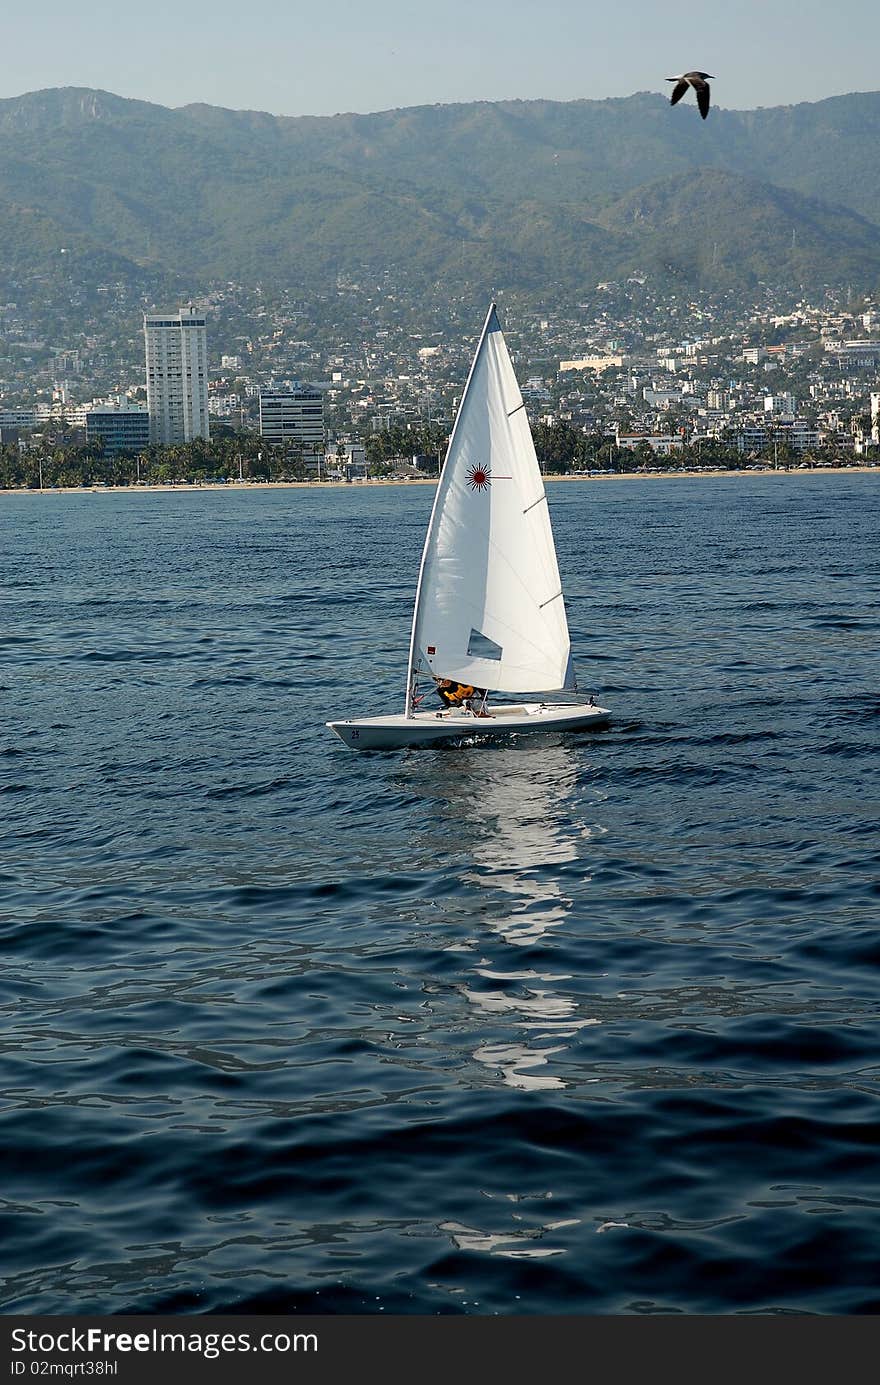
pixel 393 55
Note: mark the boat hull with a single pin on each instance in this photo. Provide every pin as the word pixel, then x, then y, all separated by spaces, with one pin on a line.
pixel 433 728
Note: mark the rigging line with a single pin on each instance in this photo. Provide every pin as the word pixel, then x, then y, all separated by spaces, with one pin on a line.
pixel 534 503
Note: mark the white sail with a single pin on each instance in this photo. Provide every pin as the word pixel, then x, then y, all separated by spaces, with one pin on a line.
pixel 489 607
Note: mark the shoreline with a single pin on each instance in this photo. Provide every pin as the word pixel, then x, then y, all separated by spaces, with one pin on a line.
pixel 133 489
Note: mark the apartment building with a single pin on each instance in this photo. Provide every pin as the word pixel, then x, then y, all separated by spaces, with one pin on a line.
pixel 295 415
pixel 176 349
pixel 124 428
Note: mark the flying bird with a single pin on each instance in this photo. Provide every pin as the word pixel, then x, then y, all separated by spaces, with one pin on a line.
pixel 697 80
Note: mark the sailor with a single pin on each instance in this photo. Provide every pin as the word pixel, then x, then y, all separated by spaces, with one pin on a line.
pixel 453 694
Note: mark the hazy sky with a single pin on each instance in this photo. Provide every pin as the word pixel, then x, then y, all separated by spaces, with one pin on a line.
pixel 294 58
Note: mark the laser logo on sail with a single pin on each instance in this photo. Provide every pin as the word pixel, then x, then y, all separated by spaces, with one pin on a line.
pixel 479 477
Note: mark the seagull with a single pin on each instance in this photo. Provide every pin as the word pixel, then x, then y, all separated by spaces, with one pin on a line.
pixel 697 80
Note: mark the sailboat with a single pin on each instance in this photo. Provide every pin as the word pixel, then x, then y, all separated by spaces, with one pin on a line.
pixel 489 611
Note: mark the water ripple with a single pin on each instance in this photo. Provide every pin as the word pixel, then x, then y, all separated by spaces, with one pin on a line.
pixel 579 1025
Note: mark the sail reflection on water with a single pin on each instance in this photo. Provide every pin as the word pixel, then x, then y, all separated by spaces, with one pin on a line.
pixel 524 836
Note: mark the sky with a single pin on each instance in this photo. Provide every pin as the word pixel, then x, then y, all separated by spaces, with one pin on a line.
pixel 295 58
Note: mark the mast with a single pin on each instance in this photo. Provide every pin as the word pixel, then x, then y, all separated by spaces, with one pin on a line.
pixel 491 317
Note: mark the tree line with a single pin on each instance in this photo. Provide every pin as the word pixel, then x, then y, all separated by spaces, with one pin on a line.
pixel 561 449
pixel 227 457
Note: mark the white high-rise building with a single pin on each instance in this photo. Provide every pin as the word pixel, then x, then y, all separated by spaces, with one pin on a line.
pixel 176 347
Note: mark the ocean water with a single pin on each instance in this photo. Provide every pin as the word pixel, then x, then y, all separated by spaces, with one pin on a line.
pixel 581 1024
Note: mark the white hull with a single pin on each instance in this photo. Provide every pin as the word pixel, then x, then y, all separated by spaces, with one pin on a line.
pixel 432 728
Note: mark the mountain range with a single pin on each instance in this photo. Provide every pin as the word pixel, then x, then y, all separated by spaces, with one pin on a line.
pixel 524 194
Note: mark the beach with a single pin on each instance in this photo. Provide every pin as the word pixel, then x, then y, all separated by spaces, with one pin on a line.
pixel 240 486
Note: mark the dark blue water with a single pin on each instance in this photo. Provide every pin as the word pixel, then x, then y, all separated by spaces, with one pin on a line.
pixel 582 1024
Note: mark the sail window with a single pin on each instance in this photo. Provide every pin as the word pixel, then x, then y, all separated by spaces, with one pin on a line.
pixel 481 647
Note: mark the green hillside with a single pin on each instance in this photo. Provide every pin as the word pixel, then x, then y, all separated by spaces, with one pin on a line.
pixel 520 194
pixel 725 229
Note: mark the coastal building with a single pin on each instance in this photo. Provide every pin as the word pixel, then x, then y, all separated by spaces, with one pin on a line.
pixel 784 405
pixel 124 428
pixel 661 399
pixel 661 443
pixel 66 363
pixel 347 459
pixel 594 363
pixel 295 416
pixel 176 349
pixel 854 352
pixel 751 438
pixel 222 404
pixel 18 418
pixel 801 435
